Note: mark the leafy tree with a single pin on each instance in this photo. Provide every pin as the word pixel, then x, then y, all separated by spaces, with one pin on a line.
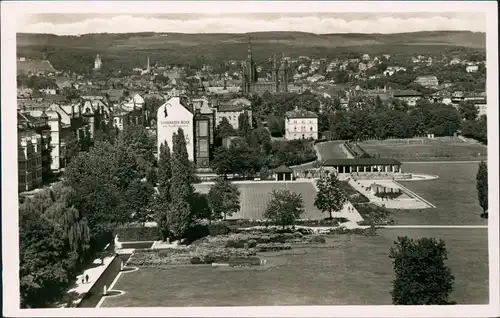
pixel 224 199
pixel 139 197
pixel 164 169
pixel 244 126
pixel 285 207
pixel 201 207
pixel 140 143
pixel 468 111
pixel 276 126
pixel 181 189
pixel 222 163
pixel 100 178
pixel 223 130
pixel 422 277
pixel 329 197
pixel 482 186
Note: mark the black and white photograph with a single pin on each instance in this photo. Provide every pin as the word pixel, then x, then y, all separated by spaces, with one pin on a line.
pixel 257 159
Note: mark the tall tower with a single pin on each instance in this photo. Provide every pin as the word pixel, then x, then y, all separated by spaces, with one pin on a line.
pixel 97 62
pixel 148 68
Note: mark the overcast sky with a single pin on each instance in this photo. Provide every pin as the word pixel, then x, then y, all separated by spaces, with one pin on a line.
pixel 74 24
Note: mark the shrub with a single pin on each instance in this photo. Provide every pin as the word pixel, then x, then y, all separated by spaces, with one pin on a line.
pixel 219 228
pixel 196 232
pixel 317 239
pixel 272 247
pixel 130 234
pixel 251 243
pixel 236 243
pixel 244 261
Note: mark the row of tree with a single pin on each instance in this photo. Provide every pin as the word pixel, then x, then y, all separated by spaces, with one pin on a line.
pixel 254 152
pixel 64 227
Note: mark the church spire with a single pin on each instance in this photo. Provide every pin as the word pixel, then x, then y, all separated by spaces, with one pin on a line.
pixel 249 49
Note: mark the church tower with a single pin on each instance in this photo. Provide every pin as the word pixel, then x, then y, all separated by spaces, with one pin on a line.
pixel 249 76
pixel 148 68
pixel 97 62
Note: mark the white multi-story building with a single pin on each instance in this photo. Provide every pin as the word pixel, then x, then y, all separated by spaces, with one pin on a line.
pixel 301 124
pixel 472 68
pixel 232 110
pixel 482 109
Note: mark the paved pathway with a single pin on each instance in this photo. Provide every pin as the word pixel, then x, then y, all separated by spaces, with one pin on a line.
pixel 94 273
pixel 444 161
pixel 435 226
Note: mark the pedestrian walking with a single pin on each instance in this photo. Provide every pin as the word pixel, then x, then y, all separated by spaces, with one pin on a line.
pixel 87 278
pixel 83 280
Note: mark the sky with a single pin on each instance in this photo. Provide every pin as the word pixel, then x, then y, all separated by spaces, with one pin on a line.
pixel 319 23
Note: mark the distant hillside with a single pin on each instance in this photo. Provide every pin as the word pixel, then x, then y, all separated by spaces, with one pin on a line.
pixel 24 67
pixel 120 51
pixel 165 40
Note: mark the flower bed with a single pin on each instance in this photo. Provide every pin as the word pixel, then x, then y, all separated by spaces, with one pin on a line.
pixel 352 194
pixel 374 214
pixel 235 224
pixel 194 255
pixel 371 231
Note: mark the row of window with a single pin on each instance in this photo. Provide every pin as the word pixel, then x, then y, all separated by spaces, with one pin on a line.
pixel 30 177
pixel 302 128
pixel 302 122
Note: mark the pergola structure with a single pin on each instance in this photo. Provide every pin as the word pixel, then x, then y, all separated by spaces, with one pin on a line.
pixel 283 173
pixel 364 165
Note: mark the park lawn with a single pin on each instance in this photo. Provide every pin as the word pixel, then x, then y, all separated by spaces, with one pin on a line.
pixel 255 196
pixel 454 194
pixel 330 150
pixel 344 271
pixel 428 151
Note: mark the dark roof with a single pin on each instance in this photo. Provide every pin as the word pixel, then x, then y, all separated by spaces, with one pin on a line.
pixel 231 108
pixel 283 169
pixel 407 93
pixel 300 113
pixel 360 162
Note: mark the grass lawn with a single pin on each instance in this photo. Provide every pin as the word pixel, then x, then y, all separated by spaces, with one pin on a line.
pixel 454 194
pixel 331 150
pixel 254 198
pixel 430 150
pixel 345 271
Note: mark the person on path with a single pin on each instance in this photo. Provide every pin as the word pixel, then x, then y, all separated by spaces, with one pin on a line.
pixel 83 280
pixel 86 278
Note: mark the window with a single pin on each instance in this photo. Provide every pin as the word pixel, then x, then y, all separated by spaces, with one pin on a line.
pixel 295 128
pixel 311 128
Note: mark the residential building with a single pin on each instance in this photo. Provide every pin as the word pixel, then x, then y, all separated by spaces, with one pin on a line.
pixel 482 109
pixel 301 124
pixel 390 70
pixel 232 111
pixel 29 160
pixel 472 68
pixel 429 81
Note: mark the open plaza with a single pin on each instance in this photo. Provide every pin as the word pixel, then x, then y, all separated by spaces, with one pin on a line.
pixel 440 201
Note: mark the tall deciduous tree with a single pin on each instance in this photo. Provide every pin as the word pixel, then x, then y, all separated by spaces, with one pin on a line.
pixel 223 130
pixel 482 186
pixel 422 277
pixel 285 207
pixel 329 197
pixel 181 189
pixel 224 199
pixel 139 196
pixel 244 126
